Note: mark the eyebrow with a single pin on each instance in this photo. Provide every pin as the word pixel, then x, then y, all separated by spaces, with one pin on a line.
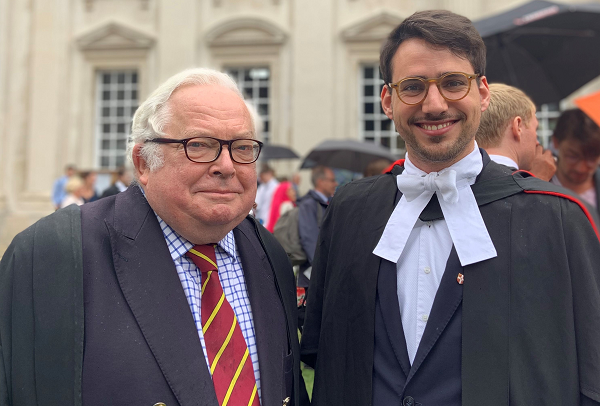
pixel 425 77
pixel 201 133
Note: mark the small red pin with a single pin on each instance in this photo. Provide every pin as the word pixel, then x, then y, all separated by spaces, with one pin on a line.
pixel 460 279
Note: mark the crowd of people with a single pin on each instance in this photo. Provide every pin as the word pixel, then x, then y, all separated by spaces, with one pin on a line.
pixel 465 274
pixel 80 187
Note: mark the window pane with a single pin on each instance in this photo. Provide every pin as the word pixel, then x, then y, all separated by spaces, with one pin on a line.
pixel 116 102
pixel 255 83
pixel 374 124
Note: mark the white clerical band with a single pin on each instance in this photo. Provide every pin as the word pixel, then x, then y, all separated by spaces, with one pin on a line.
pixel 467 229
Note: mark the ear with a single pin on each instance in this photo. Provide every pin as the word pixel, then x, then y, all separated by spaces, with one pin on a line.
pixel 386 101
pixel 140 167
pixel 516 127
pixel 484 93
pixel 555 143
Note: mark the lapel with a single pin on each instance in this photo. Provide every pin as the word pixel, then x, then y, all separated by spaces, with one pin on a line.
pixel 447 299
pixel 388 299
pixel 149 281
pixel 264 301
pixel 486 310
pixel 375 213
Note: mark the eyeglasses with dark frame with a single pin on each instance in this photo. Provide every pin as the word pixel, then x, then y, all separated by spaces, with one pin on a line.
pixel 453 86
pixel 208 149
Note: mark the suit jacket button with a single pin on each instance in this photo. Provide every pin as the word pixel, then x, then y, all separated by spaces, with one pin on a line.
pixel 159 404
pixel 408 401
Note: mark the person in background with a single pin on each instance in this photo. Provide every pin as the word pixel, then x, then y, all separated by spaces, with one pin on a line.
pixel 577 140
pixel 376 167
pixel 121 180
pixel 311 209
pixel 75 188
pixel 58 190
pixel 508 132
pixel 296 179
pixel 89 190
pixel 284 199
pixel 264 193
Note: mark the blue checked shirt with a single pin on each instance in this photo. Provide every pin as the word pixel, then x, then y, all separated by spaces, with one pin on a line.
pixel 232 280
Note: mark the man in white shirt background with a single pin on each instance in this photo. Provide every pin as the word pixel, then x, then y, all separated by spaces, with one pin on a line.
pixel 508 132
pixel 264 193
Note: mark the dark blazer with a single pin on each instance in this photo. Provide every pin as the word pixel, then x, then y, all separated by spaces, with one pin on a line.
pixel 530 316
pixel 121 289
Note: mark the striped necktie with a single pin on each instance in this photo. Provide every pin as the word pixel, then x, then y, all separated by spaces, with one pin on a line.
pixel 230 362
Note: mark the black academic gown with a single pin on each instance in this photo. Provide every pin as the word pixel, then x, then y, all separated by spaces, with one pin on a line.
pixel 530 319
pixel 110 324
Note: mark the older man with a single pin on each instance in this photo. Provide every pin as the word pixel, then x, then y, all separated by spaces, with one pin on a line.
pixel 166 293
pixel 450 281
pixel 508 132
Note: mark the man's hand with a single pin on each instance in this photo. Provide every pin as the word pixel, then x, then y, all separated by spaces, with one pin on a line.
pixel 543 165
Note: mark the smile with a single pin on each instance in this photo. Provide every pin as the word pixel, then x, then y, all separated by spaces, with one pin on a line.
pixel 436 127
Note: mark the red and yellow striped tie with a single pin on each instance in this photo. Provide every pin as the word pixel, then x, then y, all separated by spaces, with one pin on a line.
pixel 230 362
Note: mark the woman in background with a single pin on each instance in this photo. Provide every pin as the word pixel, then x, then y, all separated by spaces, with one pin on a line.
pixel 89 190
pixel 284 199
pixel 74 188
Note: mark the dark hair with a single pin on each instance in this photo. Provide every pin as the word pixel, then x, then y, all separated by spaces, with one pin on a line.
pixel 318 172
pixel 441 29
pixel 576 125
pixel 266 169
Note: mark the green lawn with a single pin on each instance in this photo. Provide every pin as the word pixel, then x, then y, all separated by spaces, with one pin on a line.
pixel 309 377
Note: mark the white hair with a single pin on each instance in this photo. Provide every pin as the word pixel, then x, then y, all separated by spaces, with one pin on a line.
pixel 154 114
pixel 257 122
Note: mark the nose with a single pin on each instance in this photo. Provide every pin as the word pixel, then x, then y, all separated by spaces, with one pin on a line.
pixel 223 166
pixel 434 103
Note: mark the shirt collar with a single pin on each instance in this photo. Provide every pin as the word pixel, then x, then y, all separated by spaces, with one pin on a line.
pixel 321 196
pixel 179 246
pixel 470 164
pixel 504 160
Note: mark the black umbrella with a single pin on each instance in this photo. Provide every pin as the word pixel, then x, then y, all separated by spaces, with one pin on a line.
pixel 270 151
pixel 546 49
pixel 352 155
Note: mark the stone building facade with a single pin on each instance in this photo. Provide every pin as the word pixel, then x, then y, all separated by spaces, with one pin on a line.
pixel 73 71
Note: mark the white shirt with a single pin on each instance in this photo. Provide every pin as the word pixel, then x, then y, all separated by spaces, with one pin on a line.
pixel 264 197
pixel 422 264
pixel 504 160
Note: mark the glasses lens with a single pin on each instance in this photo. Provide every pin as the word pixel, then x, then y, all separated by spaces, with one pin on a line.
pixel 245 151
pixel 454 86
pixel 411 90
pixel 202 149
